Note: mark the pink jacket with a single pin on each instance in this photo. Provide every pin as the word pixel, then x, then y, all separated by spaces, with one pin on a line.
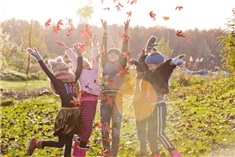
pixel 89 81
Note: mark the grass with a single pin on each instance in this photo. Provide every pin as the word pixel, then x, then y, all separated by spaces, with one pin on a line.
pixel 200 121
pixel 23 85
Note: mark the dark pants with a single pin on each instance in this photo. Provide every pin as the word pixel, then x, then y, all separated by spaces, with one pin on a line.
pixel 146 126
pixel 63 140
pixel 161 112
pixel 111 110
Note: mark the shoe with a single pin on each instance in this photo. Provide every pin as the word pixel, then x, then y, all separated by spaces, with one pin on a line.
pixel 75 147
pixel 33 144
pixel 81 152
pixel 175 153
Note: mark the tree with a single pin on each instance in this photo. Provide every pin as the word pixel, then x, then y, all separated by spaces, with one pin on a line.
pixel 228 45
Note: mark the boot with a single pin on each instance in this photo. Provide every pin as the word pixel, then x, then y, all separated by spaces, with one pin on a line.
pixel 175 153
pixel 81 152
pixel 76 146
pixel 34 143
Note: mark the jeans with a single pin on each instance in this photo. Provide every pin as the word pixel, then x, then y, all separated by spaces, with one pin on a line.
pixel 111 111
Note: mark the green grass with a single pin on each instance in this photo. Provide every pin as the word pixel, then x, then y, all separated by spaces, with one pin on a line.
pixel 23 85
pixel 200 121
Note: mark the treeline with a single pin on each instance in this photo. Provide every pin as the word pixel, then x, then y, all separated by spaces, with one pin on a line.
pixel 200 46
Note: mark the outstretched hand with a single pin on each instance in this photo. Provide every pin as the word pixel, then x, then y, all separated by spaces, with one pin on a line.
pixel 34 52
pixel 104 24
pixel 95 40
pixel 178 60
pixel 126 26
pixel 132 61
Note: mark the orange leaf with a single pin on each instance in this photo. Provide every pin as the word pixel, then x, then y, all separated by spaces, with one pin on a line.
pixel 47 24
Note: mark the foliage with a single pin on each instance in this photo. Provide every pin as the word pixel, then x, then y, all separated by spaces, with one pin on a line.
pixel 200 121
pixel 228 44
pixel 165 48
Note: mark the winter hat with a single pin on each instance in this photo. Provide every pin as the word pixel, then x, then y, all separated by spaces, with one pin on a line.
pixel 58 64
pixel 151 43
pixel 114 50
pixel 154 58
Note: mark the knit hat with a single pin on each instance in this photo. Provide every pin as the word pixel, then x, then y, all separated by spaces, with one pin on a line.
pixel 58 64
pixel 114 50
pixel 154 58
pixel 151 43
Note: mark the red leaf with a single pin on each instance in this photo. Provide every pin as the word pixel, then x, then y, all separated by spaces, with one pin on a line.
pixel 47 24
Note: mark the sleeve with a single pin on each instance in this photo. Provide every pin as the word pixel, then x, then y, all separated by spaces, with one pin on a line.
pixel 124 49
pixel 104 56
pixel 139 66
pixel 79 68
pixel 47 71
pixel 167 69
pixel 141 59
pixel 95 52
pixel 72 57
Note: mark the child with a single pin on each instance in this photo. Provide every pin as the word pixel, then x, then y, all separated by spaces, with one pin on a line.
pixel 67 121
pixel 158 76
pixel 89 89
pixel 111 96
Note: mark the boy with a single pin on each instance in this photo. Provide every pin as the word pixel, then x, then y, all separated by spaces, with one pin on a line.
pixel 158 77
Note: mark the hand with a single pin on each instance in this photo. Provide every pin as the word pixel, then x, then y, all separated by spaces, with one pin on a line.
pixel 177 60
pixel 132 61
pixel 78 47
pixel 95 40
pixel 104 24
pixel 126 26
pixel 34 52
pixel 151 43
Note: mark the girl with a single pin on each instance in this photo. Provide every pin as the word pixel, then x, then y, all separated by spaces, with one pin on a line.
pixel 89 89
pixel 68 118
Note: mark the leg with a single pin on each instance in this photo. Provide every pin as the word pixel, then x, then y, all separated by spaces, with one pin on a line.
pixel 105 113
pixel 68 146
pixel 142 135
pixel 152 136
pixel 57 144
pixel 161 124
pixel 116 127
pixel 88 110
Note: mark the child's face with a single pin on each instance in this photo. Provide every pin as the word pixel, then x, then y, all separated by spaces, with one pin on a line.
pixel 86 65
pixel 152 67
pixel 113 57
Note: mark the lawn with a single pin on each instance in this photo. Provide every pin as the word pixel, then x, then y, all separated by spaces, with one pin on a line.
pixel 200 121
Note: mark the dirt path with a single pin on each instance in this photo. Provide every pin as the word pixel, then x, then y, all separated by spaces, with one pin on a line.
pixel 19 95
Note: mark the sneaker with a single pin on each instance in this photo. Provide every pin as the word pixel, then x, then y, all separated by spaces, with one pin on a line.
pixel 32 146
pixel 175 153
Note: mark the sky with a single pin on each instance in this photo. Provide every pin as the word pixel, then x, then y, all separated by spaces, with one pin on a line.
pixel 201 14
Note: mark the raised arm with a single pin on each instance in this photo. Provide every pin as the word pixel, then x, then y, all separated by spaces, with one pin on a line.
pixel 95 52
pixel 34 52
pixel 104 56
pixel 125 43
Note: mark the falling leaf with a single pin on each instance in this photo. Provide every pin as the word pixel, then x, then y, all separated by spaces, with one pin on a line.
pixel 166 18
pixel 152 15
pixel 178 7
pixel 48 23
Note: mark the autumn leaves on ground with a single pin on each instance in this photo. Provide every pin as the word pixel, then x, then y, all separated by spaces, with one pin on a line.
pixel 200 122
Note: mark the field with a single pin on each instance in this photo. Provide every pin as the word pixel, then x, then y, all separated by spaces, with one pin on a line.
pixel 201 119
